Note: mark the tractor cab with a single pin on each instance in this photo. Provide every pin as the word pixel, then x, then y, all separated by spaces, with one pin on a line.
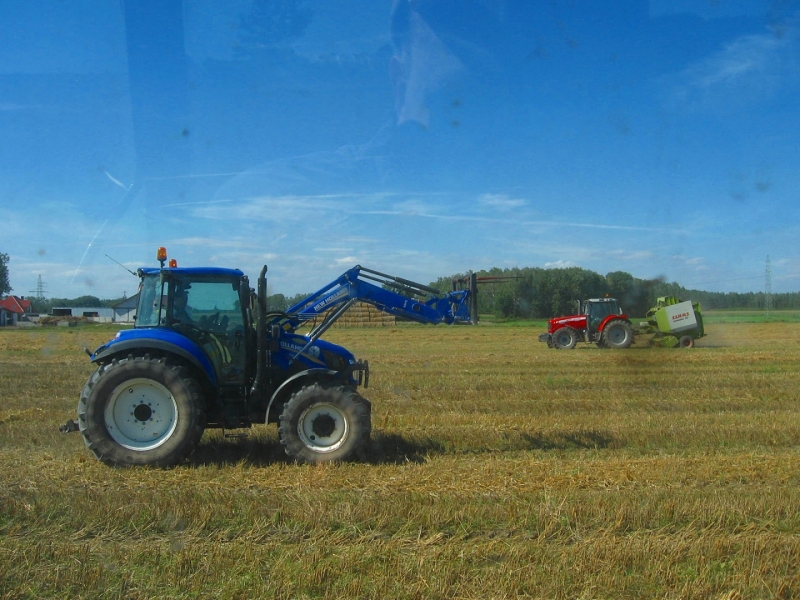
pixel 597 309
pixel 208 306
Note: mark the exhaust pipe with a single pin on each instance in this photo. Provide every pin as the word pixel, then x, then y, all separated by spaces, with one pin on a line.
pixel 261 333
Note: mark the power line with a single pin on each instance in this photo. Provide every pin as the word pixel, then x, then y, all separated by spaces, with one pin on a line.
pixel 40 289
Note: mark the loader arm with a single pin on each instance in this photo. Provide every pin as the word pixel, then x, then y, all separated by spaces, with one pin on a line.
pixel 413 301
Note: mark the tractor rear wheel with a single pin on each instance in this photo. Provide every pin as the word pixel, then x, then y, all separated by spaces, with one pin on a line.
pixel 565 338
pixel 325 423
pixel 141 411
pixel 618 334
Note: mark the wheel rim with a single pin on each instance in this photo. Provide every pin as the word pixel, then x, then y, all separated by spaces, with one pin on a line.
pixel 322 427
pixel 617 335
pixel 141 414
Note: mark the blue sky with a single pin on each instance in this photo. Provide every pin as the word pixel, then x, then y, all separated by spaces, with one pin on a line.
pixel 421 138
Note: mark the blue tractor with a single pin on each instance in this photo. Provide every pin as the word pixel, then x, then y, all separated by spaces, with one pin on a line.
pixel 206 352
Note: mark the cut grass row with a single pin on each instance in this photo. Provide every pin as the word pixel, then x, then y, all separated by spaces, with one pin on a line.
pixel 499 469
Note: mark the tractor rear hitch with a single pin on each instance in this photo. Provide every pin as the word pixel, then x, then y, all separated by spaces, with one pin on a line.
pixel 69 427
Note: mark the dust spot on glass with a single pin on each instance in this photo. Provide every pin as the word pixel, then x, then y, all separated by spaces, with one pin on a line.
pixel 50 344
pixel 538 52
pixel 621 124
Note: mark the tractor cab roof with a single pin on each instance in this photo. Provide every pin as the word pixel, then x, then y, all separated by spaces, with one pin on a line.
pixel 193 272
pixel 600 300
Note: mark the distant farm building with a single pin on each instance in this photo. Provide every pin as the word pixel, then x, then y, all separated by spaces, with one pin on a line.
pixel 125 311
pixel 93 313
pixel 122 312
pixel 13 310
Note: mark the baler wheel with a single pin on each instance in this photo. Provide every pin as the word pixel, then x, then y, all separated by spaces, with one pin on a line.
pixel 686 341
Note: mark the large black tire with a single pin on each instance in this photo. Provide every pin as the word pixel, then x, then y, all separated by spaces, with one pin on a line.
pixel 325 423
pixel 141 411
pixel 565 338
pixel 618 334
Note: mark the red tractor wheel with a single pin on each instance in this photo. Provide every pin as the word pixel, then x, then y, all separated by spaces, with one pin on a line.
pixel 565 338
pixel 618 334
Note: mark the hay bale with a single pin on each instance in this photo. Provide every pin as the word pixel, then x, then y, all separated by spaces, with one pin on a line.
pixel 360 315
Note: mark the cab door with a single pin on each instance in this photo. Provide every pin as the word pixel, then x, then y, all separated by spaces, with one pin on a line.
pixel 212 316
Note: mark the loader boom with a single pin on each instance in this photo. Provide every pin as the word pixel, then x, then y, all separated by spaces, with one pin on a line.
pixel 393 295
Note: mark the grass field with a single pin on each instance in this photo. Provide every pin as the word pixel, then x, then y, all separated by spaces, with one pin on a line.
pixel 499 469
pixel 751 316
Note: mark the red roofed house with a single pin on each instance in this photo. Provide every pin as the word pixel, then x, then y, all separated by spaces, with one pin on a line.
pixel 12 309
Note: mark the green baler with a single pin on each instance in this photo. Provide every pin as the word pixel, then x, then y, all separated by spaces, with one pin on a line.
pixel 674 322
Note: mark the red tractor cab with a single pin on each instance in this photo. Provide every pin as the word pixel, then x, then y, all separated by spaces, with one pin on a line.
pixel 599 321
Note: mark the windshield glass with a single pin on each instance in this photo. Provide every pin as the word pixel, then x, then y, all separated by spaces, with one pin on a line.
pixel 603 309
pixel 208 305
pixel 152 302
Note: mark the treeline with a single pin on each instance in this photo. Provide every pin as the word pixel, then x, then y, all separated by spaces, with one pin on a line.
pixel 536 293
pixel 44 306
pixel 279 302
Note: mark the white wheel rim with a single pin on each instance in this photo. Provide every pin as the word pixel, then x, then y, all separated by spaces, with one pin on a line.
pixel 141 414
pixel 322 427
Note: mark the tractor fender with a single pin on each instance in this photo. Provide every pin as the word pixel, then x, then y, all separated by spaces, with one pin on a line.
pixel 288 386
pixel 185 349
pixel 610 319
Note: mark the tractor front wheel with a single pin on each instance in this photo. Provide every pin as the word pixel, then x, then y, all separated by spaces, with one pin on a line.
pixel 618 334
pixel 141 411
pixel 565 338
pixel 325 423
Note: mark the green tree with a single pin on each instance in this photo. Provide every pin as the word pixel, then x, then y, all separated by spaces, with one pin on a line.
pixel 5 286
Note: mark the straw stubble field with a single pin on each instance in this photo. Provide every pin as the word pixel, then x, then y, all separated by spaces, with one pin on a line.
pixel 499 469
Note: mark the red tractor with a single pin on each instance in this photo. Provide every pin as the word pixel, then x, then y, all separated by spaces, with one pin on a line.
pixel 600 321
